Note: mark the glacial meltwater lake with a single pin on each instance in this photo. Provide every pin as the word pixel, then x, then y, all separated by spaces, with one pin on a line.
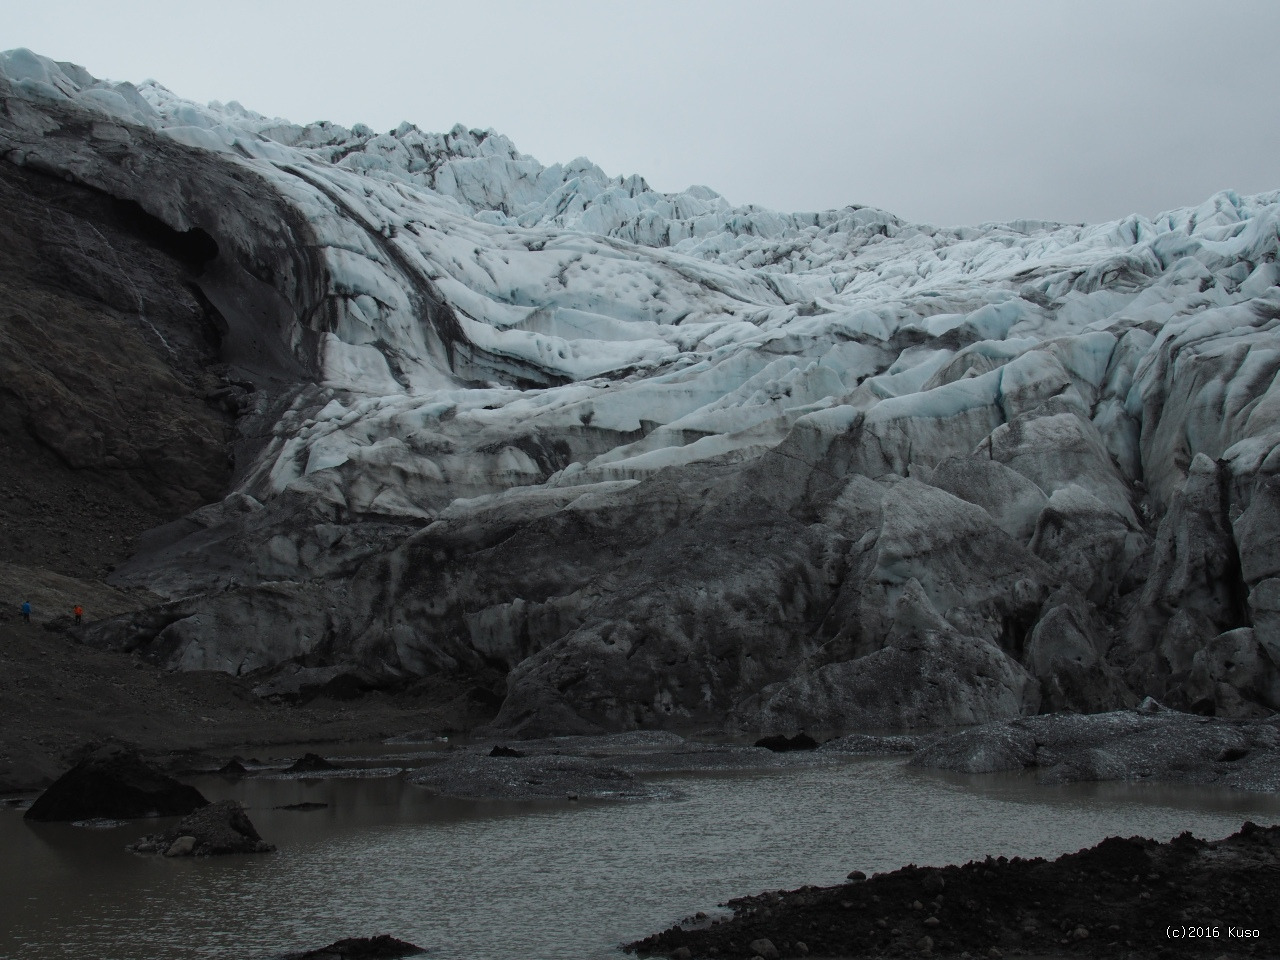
pixel 536 881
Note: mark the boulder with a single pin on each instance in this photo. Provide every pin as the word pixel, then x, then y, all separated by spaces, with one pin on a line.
pixel 115 783
pixel 217 828
pixel 182 847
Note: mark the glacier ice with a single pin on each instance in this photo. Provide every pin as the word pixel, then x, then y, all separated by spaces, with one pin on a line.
pixel 663 458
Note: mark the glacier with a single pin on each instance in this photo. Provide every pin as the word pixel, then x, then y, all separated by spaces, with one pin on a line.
pixel 662 460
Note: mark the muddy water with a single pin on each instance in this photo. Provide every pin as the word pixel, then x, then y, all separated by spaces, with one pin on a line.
pixel 505 881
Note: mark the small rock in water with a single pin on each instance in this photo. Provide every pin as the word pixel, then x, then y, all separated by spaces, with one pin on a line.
pixel 233 769
pixel 309 763
pixel 182 847
pixel 98 823
pixel 382 947
pixel 856 875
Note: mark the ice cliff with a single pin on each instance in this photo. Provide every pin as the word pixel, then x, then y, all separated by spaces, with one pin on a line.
pixel 663 460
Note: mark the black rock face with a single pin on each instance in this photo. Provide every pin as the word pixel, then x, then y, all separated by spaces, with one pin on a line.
pixel 114 783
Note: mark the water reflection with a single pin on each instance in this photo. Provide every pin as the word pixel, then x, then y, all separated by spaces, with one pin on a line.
pixel 505 881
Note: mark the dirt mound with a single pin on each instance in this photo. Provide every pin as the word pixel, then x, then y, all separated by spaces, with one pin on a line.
pixel 218 828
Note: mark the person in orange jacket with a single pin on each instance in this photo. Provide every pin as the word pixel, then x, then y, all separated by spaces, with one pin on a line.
pixel 79 612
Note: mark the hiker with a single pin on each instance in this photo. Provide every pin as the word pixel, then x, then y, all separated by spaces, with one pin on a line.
pixel 79 612
pixel 26 611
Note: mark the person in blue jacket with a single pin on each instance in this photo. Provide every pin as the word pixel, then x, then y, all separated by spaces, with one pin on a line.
pixel 26 611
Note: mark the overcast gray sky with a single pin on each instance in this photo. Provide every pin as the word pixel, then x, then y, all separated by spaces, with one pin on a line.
pixel 945 112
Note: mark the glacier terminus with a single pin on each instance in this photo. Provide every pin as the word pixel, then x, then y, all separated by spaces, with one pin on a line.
pixel 662 461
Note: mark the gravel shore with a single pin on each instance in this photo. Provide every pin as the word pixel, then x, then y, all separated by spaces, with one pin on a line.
pixel 1124 898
